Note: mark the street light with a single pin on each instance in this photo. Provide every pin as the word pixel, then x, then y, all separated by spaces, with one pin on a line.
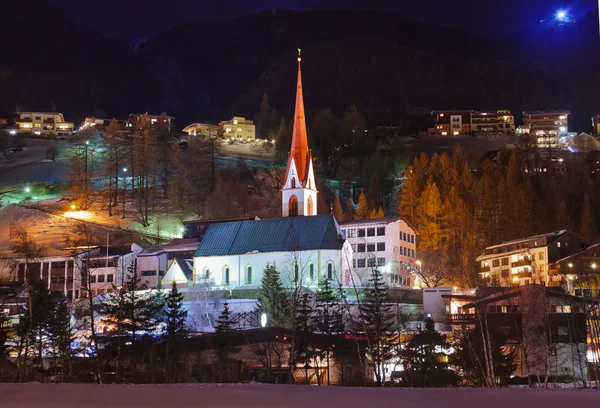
pixel 87 142
pixel 72 206
pixel 27 190
pixel 124 169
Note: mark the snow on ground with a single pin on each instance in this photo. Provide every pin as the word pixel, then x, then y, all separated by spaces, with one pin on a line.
pixel 263 395
pixel 249 151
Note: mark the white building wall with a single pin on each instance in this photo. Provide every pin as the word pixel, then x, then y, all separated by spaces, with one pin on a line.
pixel 396 261
pixel 283 261
pixel 157 263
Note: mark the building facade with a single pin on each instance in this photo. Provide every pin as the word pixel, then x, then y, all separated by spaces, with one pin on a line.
pixel 467 122
pixel 388 244
pixel 545 127
pixel 238 128
pixel 202 129
pixel 526 261
pixel 133 122
pixel 48 124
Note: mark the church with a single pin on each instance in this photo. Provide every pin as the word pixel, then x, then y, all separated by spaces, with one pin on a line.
pixel 303 246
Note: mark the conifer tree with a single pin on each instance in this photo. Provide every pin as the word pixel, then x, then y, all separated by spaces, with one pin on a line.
pixel 273 299
pixel 589 225
pixel 328 318
pixel 377 320
pixel 408 200
pixel 303 352
pixel 60 332
pixel 363 210
pixel 424 355
pixel 373 214
pixel 225 347
pixel 349 214
pixel 176 329
pixel 563 216
pixel 338 211
pixel 432 227
pixel 380 213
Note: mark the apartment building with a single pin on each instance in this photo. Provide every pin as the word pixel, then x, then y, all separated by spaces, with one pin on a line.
pixel 238 128
pixel 162 119
pixel 386 243
pixel 201 129
pixel 50 124
pixel 109 266
pixel 526 261
pixel 466 122
pixel 545 327
pixel 546 127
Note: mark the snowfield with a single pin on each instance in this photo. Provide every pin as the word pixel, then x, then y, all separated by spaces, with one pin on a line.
pixel 262 395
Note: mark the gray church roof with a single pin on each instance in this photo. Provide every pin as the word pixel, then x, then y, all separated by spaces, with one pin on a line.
pixel 272 235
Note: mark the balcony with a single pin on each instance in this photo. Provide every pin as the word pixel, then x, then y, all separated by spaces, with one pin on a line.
pixel 484 269
pixel 523 275
pixel 524 262
pixel 461 318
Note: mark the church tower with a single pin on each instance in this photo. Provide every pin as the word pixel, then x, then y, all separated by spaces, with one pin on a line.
pixel 299 193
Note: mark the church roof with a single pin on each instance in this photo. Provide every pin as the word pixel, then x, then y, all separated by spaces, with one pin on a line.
pixel 273 235
pixel 299 152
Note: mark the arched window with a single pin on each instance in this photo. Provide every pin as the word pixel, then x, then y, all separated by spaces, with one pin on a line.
pixel 296 273
pixel 311 271
pixel 293 182
pixel 205 273
pixel 310 206
pixel 293 206
pixel 248 275
pixel 330 271
pixel 226 275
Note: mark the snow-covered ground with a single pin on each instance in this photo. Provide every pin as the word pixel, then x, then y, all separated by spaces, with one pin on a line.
pixel 263 395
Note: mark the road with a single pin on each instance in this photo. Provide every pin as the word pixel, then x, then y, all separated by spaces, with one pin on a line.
pixel 262 395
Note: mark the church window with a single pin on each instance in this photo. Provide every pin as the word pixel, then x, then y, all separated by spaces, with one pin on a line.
pixel 293 182
pixel 293 206
pixel 296 273
pixel 249 275
pixel 310 206
pixel 226 275
pixel 311 271
pixel 330 271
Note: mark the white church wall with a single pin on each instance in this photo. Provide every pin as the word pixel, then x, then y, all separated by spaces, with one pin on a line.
pixel 283 261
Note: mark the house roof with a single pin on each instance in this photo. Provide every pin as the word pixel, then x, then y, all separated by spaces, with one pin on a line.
pixel 186 266
pixel 273 235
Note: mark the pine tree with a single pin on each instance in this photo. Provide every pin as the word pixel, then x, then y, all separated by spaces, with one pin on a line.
pixel 303 352
pixel 176 329
pixel 378 321
pixel 338 212
pixel 349 215
pixel 225 346
pixel 274 300
pixel 372 214
pixel 589 225
pixel 363 210
pixel 328 319
pixel 408 200
pixel 380 213
pixel 425 356
pixel 60 332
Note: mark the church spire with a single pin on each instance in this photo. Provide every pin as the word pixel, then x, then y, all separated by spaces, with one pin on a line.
pixel 299 193
pixel 299 150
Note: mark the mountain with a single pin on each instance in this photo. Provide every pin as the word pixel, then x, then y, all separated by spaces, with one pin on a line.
pixel 384 64
pixel 49 62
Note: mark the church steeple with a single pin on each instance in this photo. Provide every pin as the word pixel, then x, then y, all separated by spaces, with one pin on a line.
pixel 299 139
pixel 299 194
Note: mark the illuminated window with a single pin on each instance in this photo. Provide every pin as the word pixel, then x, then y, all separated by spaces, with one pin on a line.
pixel 235 122
pixel 444 133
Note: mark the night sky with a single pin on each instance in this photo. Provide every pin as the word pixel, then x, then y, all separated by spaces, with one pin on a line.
pixel 133 19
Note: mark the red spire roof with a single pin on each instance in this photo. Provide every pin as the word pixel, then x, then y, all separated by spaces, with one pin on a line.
pixel 299 150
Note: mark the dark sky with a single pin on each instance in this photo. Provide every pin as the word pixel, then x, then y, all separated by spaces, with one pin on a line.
pixel 133 19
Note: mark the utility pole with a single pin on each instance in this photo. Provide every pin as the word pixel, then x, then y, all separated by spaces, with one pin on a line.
pixel 85 190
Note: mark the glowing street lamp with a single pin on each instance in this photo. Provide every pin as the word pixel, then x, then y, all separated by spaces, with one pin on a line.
pixel 27 189
pixel 72 206
pixel 124 169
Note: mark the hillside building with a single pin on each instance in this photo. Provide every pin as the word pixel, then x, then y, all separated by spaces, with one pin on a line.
pixel 467 122
pixel 132 122
pixel 48 124
pixel 238 128
pixel 545 127
pixel 526 261
pixel 388 244
pixel 202 129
